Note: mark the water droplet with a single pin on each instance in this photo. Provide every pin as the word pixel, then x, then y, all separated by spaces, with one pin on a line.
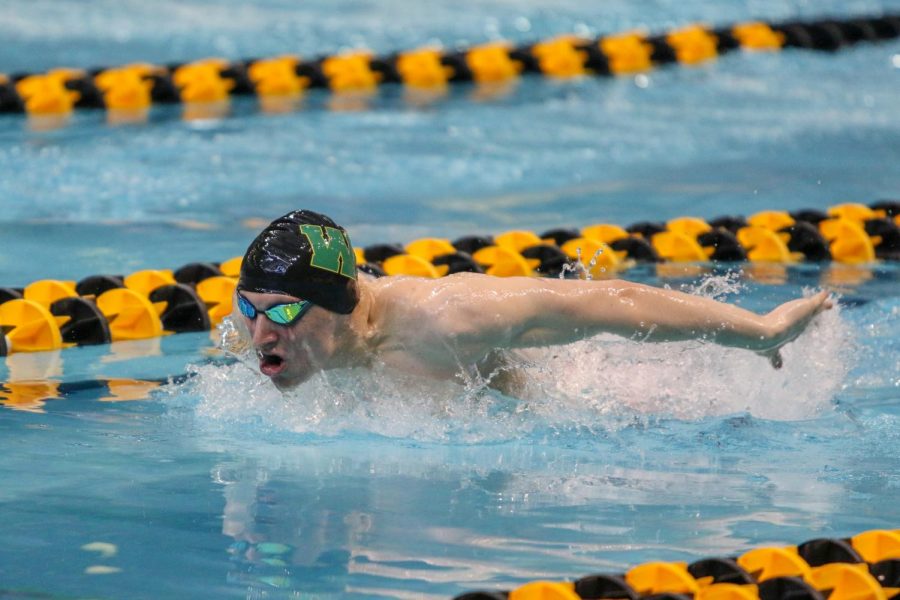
pixel 105 549
pixel 522 24
pixel 101 570
pixel 583 30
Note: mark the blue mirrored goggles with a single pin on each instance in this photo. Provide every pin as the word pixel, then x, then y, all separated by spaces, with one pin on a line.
pixel 281 314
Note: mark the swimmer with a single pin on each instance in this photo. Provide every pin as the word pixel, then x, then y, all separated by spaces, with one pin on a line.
pixel 306 309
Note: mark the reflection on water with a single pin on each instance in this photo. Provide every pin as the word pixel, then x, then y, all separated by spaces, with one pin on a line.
pixel 374 518
pixel 206 113
pixel 127 116
pixel 26 366
pixel 32 396
pixel 28 395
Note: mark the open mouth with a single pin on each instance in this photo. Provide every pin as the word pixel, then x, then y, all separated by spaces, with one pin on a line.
pixel 270 364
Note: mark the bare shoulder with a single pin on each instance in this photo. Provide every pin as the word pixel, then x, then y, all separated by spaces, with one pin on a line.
pixel 447 304
pixel 422 289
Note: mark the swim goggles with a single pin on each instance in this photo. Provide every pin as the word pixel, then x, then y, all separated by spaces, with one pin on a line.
pixel 281 314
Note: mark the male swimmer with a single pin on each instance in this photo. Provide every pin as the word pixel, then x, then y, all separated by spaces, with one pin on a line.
pixel 306 310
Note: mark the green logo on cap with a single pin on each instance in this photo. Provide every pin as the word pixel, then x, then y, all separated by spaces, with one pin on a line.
pixel 331 250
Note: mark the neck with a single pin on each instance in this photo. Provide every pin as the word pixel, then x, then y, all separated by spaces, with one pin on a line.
pixel 355 331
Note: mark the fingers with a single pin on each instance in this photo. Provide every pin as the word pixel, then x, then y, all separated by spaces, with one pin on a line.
pixel 823 301
pixel 795 316
pixel 804 309
pixel 775 360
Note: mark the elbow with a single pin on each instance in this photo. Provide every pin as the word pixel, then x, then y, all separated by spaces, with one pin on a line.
pixel 628 290
pixel 770 335
pixel 632 296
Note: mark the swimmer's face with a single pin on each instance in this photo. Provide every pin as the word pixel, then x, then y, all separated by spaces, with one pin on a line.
pixel 291 354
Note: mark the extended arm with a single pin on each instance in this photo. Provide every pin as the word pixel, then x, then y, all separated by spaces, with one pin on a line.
pixel 528 312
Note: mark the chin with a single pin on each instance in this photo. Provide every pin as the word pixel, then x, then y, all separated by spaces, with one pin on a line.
pixel 286 381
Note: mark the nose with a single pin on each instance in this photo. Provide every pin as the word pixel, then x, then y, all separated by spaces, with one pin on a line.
pixel 263 333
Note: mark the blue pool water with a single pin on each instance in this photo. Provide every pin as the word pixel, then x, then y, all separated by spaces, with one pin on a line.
pixel 366 485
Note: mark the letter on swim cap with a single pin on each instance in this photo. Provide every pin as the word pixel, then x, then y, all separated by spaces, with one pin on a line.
pixel 332 253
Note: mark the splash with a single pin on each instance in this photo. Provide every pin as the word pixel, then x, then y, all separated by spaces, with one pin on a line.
pixel 597 385
pixel 717 287
pixel 691 380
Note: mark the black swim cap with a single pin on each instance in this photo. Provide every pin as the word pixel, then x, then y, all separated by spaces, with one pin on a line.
pixel 306 255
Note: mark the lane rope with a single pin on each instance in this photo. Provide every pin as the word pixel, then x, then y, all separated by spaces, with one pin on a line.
pixel 863 567
pixel 129 91
pixel 53 314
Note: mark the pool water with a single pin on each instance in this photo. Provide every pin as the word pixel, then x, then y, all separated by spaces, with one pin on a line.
pixel 166 468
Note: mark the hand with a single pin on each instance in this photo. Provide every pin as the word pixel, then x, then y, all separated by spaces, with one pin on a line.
pixel 790 320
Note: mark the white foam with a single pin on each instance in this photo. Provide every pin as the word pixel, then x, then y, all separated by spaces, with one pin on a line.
pixel 601 383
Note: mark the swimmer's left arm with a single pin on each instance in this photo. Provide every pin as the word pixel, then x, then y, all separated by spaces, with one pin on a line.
pixel 546 312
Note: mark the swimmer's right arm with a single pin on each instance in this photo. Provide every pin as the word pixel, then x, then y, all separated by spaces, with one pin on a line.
pixel 547 312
